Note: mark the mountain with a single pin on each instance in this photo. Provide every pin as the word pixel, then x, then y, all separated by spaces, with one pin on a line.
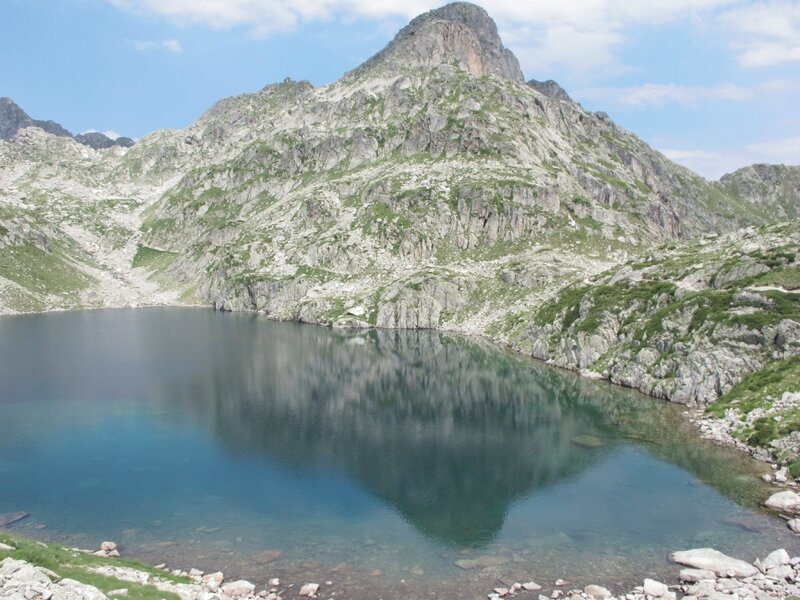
pixel 430 187
pixel 13 118
pixel 458 34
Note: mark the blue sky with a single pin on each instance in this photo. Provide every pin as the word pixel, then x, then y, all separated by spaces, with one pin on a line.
pixel 714 84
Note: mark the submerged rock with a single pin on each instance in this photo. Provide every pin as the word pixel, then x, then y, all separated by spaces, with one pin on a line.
pixel 588 441
pixel 11 518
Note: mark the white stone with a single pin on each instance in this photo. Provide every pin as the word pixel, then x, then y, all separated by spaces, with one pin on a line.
pixel 776 559
pixel 6 548
pixel 794 525
pixel 781 572
pixel 787 500
pixel 310 590
pixel 531 586
pixel 274 581
pixel 655 588
pixel 597 591
pixel 695 575
pixel 782 475
pixel 501 591
pixel 195 573
pixel 119 592
pixel 713 560
pixel 237 589
pixel 108 546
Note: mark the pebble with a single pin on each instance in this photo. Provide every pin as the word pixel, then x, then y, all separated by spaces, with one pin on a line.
pixel 531 586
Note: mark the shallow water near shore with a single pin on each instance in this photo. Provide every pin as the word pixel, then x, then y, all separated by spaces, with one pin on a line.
pixel 394 464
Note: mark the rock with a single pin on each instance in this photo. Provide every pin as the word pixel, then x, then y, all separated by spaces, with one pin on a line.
pixel 794 525
pixel 119 592
pixel 588 441
pixel 695 575
pixel 787 500
pixel 195 573
pixel 501 591
pixel 274 582
pixel 560 582
pixel 597 591
pixel 713 560
pixel 238 589
pixel 6 548
pixel 776 559
pixel 108 546
pixel 113 553
pixel 780 573
pixel 265 557
pixel 531 586
pixel 310 590
pixel 11 518
pixel 212 581
pixel 782 475
pixel 655 588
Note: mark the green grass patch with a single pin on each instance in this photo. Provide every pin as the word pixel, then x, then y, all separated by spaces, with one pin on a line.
pixel 755 389
pixel 152 258
pixel 67 563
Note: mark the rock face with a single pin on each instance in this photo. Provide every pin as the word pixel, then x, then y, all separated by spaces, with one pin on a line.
pixel 459 33
pixel 775 185
pixel 13 118
pixel 551 89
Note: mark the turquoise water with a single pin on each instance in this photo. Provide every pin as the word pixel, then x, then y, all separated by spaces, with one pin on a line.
pixel 395 464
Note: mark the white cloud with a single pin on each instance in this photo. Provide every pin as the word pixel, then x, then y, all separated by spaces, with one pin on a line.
pixel 579 35
pixel 764 33
pixel 148 45
pixel 714 164
pixel 109 134
pixel 652 94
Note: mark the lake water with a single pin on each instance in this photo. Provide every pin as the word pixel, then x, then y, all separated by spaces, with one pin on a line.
pixel 394 464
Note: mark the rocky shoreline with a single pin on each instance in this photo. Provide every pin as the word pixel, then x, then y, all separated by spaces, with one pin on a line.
pixel 705 574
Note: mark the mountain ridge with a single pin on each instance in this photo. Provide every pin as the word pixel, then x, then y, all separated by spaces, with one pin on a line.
pixel 13 118
pixel 420 193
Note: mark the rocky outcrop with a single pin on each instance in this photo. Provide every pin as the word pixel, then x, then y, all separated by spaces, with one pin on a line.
pixel 458 33
pixel 686 325
pixel 551 89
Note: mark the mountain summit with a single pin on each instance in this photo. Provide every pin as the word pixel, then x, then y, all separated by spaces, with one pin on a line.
pixel 459 33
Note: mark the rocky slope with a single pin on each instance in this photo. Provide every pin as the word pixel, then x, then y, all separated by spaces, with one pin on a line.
pixel 431 187
pixel 13 118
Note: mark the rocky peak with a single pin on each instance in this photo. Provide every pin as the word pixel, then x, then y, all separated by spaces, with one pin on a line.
pixel 551 89
pixel 459 33
pixel 13 118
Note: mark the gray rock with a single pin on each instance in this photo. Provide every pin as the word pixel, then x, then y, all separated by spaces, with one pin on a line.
pixel 787 500
pixel 695 575
pixel 238 589
pixel 778 558
pixel 713 560
pixel 655 588
pixel 597 592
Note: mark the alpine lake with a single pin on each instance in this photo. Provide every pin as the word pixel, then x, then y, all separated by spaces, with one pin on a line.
pixel 393 464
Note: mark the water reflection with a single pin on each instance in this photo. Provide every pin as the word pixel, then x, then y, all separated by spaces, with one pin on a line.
pixel 449 431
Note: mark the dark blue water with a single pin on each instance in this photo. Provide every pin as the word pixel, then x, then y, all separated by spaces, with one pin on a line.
pixel 399 464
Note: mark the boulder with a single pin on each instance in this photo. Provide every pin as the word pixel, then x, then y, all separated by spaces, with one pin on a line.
pixel 714 560
pixel 788 501
pixel 695 575
pixel 238 589
pixel 655 588
pixel 598 592
pixel 776 559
